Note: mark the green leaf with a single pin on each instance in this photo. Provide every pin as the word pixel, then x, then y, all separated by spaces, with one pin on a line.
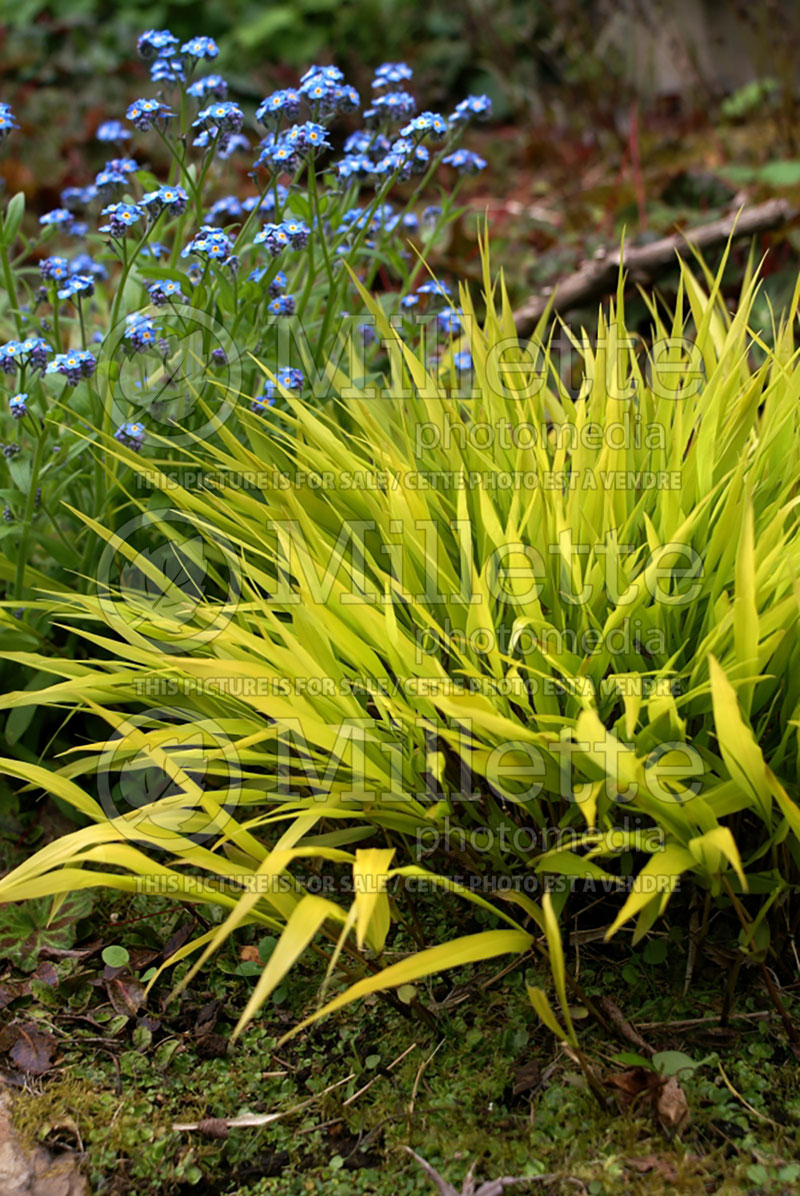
pixel 674 1063
pixel 783 173
pixel 116 957
pixel 21 717
pixel 631 1059
pixel 13 218
pixel 26 929
pixel 655 951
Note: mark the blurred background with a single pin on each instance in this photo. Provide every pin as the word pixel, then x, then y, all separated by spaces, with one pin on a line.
pixel 635 114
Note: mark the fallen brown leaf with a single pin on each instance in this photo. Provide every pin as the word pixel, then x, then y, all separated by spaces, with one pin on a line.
pixel 12 989
pixel 631 1084
pixel 249 954
pixel 47 973
pixel 207 1018
pixel 664 1096
pixel 653 1162
pixel 672 1106
pixel 33 1050
pixel 527 1077
pixel 626 1029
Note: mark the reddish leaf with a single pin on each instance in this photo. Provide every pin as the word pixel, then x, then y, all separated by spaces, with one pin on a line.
pixel 72 952
pixel 140 958
pixel 125 994
pixel 47 974
pixel 177 940
pixel 207 1018
pixel 34 1050
pixel 11 990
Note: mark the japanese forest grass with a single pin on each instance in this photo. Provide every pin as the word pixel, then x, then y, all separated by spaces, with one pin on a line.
pixel 430 678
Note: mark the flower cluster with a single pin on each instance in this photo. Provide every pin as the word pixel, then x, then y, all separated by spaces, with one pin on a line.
pixel 305 212
pixel 121 217
pixel 279 104
pixel 264 400
pixel 28 354
pixel 221 117
pixel 326 91
pixel 480 106
pixel 281 305
pixel 140 334
pixel 74 199
pixel 427 124
pixel 18 405
pixel 80 286
pixel 144 113
pixel 75 365
pixel 173 198
pixel 464 161
pixel 54 268
pixel 113 177
pixel 131 435
pixel 165 290
pixel 210 86
pixel 210 243
pixel 290 379
pixel 289 234
pixel 63 219
pixel 200 47
pixel 114 131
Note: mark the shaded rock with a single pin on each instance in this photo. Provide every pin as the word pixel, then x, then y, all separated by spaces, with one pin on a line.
pixel 34 1172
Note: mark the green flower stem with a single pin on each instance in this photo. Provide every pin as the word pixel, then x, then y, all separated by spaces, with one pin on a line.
pixel 310 278
pixel 120 286
pixel 105 406
pixel 311 177
pixel 69 544
pixel 178 240
pixel 82 320
pixel 441 221
pixel 22 560
pixel 256 210
pixel 127 264
pixel 56 323
pixel 449 145
pixel 198 192
pixel 183 133
pixel 181 161
pixel 11 288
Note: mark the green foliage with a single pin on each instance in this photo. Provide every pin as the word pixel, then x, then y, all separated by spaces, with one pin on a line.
pixel 410 641
pixel 496 1090
pixel 485 47
pixel 26 929
pixel 749 98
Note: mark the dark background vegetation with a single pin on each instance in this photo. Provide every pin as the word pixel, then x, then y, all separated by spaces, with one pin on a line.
pixel 638 115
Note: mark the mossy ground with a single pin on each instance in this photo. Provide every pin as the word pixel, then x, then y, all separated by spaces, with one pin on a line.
pixel 486 1083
